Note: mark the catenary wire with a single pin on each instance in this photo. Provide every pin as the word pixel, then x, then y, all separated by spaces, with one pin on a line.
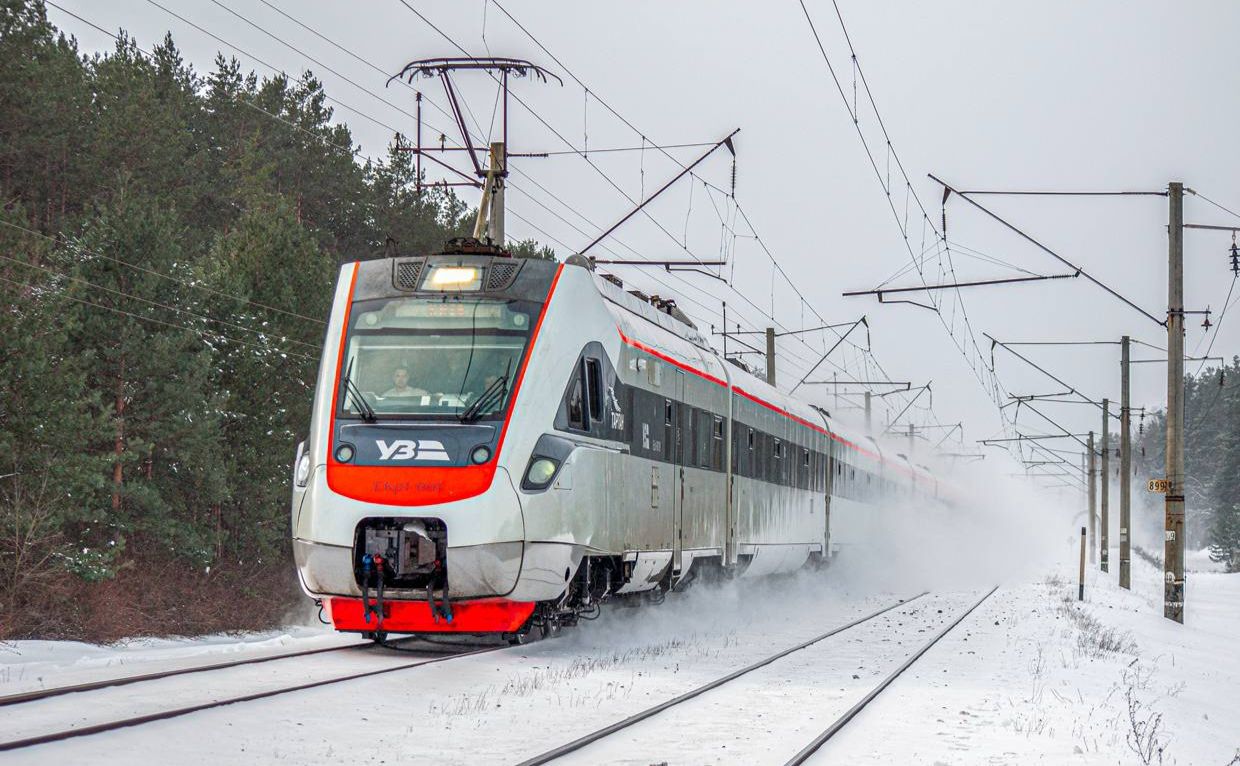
pixel 210 333
pixel 180 310
pixel 161 275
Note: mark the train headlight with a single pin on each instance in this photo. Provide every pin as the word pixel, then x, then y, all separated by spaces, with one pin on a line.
pixel 540 472
pixel 302 474
pixel 344 453
pixel 481 454
pixel 301 466
pixel 453 278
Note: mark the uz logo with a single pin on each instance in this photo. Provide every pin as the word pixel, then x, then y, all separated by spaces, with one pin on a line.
pixel 407 449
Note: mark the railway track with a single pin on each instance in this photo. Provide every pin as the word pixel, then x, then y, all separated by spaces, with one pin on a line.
pixel 56 691
pixel 18 700
pixel 807 751
pixel 852 712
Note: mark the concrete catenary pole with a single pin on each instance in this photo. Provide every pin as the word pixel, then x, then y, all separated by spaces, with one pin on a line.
pixel 770 355
pixel 497 179
pixel 911 437
pixel 1173 545
pixel 869 421
pixel 1080 593
pixel 1093 499
pixel 1085 481
pixel 482 226
pixel 1125 466
pixel 1104 481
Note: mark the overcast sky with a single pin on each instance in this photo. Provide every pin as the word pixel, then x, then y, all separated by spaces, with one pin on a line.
pixel 1014 95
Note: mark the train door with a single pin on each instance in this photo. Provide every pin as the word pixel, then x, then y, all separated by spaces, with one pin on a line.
pixel 683 421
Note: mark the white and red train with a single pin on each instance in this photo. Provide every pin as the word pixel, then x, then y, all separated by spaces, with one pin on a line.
pixel 499 444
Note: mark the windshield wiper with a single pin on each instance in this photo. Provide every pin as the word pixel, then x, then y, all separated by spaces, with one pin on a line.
pixel 494 394
pixel 355 395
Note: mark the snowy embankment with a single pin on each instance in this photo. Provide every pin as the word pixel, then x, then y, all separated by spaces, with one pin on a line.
pixel 1038 677
pixel 1030 677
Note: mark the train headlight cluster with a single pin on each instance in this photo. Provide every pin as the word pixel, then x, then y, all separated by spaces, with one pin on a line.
pixel 541 472
pixel 302 472
pixel 481 454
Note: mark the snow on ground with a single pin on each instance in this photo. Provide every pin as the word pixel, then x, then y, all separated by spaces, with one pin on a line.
pixel 1032 676
pixel 1036 677
pixel 498 707
pixel 1028 678
pixel 30 665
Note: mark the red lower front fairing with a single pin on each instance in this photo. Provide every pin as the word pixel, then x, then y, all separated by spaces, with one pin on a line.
pixel 491 615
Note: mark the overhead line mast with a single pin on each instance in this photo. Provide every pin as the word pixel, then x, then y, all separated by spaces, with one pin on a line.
pixel 1173 484
pixel 775 263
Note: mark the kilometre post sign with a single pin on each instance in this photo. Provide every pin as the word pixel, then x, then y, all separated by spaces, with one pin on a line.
pixel 1158 485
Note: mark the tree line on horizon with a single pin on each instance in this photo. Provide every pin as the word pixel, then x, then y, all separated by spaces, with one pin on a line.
pixel 1211 460
pixel 169 242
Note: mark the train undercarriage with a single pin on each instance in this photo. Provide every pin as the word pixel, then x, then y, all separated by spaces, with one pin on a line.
pixel 394 557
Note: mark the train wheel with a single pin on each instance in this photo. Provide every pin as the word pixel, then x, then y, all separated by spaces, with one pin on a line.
pixel 519 639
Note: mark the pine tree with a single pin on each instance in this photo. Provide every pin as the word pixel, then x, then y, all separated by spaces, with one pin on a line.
pixel 151 394
pixel 1224 532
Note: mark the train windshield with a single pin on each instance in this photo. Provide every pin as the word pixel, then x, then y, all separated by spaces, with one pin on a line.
pixel 442 357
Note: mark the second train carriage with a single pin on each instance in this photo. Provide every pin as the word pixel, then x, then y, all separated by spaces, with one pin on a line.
pixel 498 443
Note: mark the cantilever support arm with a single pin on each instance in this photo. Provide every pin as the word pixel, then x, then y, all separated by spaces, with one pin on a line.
pixel 881 291
pixel 861 321
pixel 726 141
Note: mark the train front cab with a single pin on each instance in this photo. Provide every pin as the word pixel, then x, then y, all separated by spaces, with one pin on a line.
pixel 406 514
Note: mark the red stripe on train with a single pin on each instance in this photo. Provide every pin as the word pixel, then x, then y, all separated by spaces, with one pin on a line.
pixel 756 400
pixel 488 615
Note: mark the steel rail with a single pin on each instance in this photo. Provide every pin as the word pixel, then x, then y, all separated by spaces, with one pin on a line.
pixel 56 691
pixel 606 731
pixel 843 720
pixel 99 728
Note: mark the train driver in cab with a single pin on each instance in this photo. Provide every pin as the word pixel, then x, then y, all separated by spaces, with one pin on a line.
pixel 400 385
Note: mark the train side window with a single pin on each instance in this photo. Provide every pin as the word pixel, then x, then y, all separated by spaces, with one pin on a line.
pixel 805 458
pixel 576 406
pixel 779 448
pixel 716 452
pixel 706 441
pixel 594 389
pixel 750 438
pixel 667 412
pixel 690 438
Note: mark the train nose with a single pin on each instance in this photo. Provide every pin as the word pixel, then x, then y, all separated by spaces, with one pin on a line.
pixel 472 547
